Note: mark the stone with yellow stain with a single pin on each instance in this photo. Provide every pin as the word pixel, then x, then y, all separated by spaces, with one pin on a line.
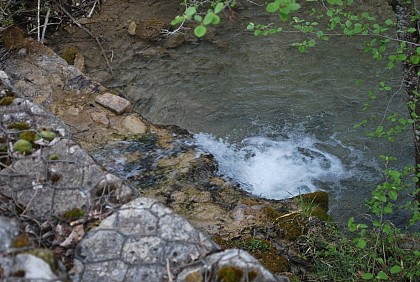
pixel 134 125
pixel 132 26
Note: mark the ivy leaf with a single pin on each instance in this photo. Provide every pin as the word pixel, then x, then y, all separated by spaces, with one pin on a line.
pixel 200 31
pixel 219 7
pixel 389 22
pixel 361 243
pixel 293 7
pixel 272 7
pixel 198 18
pixel 395 269
pixel 382 276
pixel 250 26
pixel 216 19
pixel 367 276
pixel 208 18
pixel 190 12
pixel 393 195
pixel 415 59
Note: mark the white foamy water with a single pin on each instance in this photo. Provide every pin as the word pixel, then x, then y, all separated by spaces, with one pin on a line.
pixel 274 169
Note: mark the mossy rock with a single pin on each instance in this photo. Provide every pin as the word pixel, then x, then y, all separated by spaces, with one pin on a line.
pixel 19 125
pixel 21 241
pixel 5 101
pixel 13 37
pixel 48 135
pixel 22 146
pixel 53 157
pixel 274 262
pixel 293 224
pixel 194 277
pixel 229 274
pixel 74 214
pixel 319 198
pixel 69 54
pixel 46 255
pixel 29 135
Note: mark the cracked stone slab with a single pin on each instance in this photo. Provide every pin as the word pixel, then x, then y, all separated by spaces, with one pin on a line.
pixel 145 239
pixel 55 176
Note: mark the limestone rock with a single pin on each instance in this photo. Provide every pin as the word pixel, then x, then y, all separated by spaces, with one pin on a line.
pixel 100 118
pixel 113 102
pixel 146 240
pixel 134 125
pixel 132 26
pixel 174 40
pixel 237 265
pixel 33 267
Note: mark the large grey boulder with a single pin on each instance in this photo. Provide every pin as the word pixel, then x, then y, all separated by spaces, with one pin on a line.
pixel 142 241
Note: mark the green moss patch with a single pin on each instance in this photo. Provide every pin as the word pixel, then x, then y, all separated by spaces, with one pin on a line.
pixel 22 146
pixel 19 125
pixel 29 136
pixel 69 54
pixel 74 214
pixel 5 101
pixel 229 274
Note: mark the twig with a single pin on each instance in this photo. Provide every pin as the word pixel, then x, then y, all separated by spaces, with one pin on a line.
pixel 39 20
pixel 44 28
pixel 29 203
pixel 88 32
pixel 168 269
pixel 91 10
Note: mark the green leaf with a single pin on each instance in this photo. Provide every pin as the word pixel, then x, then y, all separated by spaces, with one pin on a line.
pixel 177 20
pixel 382 276
pixel 208 18
pixel 250 26
pixel 412 29
pixel 393 195
pixel 311 43
pixel 361 243
pixel 389 22
pixel 190 12
pixel 367 276
pixel 415 59
pixel 198 18
pixel 216 19
pixel 351 225
pixel 200 31
pixel 395 269
pixel 219 7
pixel 272 7
pixel 293 7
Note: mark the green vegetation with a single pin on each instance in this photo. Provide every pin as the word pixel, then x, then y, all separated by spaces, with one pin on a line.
pixel 48 135
pixel 375 249
pixel 19 125
pixel 74 214
pixel 5 101
pixel 23 146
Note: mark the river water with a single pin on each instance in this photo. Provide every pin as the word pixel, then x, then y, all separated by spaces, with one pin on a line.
pixel 279 122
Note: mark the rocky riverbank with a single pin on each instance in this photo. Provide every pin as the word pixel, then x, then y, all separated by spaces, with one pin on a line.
pixel 147 206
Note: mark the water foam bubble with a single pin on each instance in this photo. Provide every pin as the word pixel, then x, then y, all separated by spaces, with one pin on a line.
pixel 274 169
